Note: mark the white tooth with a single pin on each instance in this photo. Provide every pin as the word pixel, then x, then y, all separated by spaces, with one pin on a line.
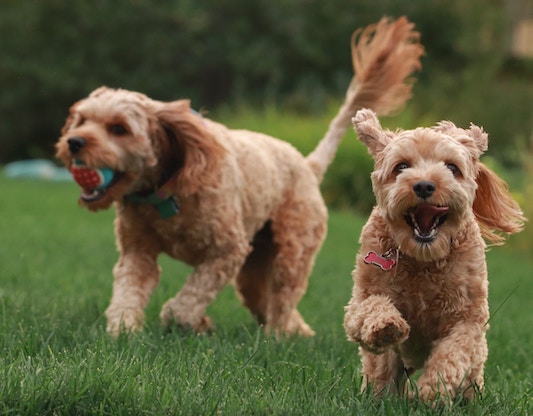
pixel 413 219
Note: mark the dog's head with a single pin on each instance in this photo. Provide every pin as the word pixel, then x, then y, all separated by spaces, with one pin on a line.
pixel 138 142
pixel 430 185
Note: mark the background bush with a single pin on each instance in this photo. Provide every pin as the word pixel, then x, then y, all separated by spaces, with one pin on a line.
pixel 227 55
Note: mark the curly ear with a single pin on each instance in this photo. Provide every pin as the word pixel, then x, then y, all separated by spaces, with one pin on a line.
pixel 481 139
pixel 100 90
pixel 475 138
pixel 494 207
pixel 370 132
pixel 202 152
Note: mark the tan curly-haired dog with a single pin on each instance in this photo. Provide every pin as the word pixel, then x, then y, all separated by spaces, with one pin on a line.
pixel 236 205
pixel 420 282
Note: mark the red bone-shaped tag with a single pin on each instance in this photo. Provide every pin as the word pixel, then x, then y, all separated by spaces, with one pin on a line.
pixel 384 262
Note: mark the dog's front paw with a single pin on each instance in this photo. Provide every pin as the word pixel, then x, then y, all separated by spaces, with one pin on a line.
pixel 123 320
pixel 293 325
pixel 434 395
pixel 205 325
pixel 171 314
pixel 379 336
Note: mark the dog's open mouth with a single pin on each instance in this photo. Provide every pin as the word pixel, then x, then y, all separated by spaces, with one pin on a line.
pixel 425 219
pixel 94 182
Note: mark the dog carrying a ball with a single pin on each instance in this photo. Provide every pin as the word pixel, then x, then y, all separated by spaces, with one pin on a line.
pixel 238 206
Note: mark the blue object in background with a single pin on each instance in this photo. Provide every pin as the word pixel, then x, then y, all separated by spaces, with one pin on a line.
pixel 37 169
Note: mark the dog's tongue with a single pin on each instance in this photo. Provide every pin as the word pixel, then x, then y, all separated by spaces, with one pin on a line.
pixel 426 215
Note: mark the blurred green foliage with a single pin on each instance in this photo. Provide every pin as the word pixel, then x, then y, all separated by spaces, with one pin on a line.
pixel 291 54
pixel 524 240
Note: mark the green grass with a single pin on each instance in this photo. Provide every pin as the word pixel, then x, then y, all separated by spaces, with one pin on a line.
pixel 55 358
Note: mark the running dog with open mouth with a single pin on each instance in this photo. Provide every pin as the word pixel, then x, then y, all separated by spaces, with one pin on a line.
pixel 420 295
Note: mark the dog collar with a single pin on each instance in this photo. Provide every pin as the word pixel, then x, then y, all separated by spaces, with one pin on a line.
pixel 163 199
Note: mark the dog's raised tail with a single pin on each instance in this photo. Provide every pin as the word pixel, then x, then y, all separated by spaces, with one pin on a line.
pixel 383 55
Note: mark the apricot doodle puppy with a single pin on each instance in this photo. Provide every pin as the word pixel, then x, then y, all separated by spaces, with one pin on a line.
pixel 420 282
pixel 236 205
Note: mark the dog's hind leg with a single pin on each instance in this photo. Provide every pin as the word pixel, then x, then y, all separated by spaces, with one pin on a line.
pixel 251 282
pixel 299 229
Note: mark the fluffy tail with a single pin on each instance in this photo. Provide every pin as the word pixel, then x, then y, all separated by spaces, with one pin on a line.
pixel 383 56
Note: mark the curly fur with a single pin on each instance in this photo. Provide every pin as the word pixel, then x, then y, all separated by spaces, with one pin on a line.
pixel 251 211
pixel 430 311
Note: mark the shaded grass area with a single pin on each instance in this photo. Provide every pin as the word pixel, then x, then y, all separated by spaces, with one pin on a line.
pixel 55 283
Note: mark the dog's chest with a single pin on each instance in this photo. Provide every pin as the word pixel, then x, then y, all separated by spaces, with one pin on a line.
pixel 187 244
pixel 428 297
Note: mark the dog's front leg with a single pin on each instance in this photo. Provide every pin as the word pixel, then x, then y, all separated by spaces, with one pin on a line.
pixel 455 365
pixel 378 326
pixel 136 276
pixel 375 323
pixel 187 308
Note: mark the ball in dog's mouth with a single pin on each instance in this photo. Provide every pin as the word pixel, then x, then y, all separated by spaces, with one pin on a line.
pixel 94 182
pixel 425 220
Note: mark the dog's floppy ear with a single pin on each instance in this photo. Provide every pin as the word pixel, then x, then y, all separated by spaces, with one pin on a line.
pixel 494 207
pixel 202 152
pixel 369 131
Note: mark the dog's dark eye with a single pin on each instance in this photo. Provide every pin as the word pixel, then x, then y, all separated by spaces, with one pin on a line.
pixel 401 166
pixel 453 168
pixel 117 129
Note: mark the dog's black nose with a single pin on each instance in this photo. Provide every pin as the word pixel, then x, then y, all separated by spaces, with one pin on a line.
pixel 424 189
pixel 75 144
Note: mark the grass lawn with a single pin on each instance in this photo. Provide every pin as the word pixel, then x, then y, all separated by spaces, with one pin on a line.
pixel 55 283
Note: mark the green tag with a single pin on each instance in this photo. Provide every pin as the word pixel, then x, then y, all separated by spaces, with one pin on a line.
pixel 168 208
